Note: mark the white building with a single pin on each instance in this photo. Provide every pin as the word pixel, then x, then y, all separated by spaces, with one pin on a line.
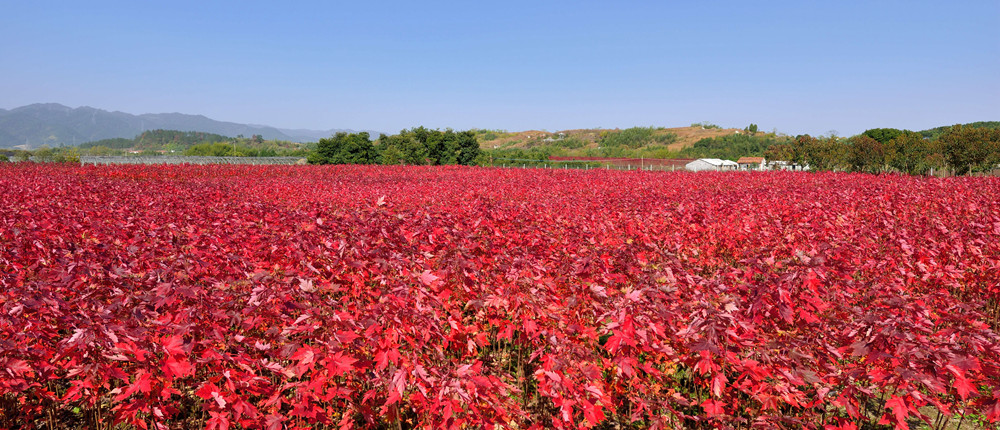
pixel 785 165
pixel 715 164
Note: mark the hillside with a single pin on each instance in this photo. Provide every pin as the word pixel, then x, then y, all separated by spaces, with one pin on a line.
pixel 590 138
pixel 191 143
pixel 936 132
pixel 635 142
pixel 53 124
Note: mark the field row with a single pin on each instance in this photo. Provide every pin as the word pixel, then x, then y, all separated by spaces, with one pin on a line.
pixel 455 297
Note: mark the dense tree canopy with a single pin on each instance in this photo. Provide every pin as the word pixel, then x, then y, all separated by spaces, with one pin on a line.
pixel 344 148
pixel 414 146
pixel 971 149
pixel 731 146
pixel 882 135
pixel 935 133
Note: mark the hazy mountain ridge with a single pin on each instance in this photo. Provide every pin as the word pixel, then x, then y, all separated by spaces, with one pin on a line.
pixel 54 124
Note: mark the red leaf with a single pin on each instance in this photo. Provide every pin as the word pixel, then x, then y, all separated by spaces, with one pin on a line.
pixel 428 278
pixel 381 360
pixel 396 387
pixel 206 390
pixel 841 425
pixel 345 336
pixel 339 364
pixel 718 383
pixel 899 411
pixel 993 408
pixel 593 413
pixel 18 367
pixel 964 387
pixel 713 407
pixel 219 420
pixel 140 384
pixel 177 368
pixel 174 345
pixel 273 422
pixel 305 355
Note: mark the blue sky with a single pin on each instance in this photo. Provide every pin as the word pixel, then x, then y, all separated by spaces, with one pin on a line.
pixel 796 66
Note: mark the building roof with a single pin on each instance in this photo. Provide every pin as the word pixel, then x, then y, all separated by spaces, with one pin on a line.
pixel 717 162
pixel 750 160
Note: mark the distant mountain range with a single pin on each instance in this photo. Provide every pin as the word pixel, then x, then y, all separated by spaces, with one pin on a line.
pixel 53 124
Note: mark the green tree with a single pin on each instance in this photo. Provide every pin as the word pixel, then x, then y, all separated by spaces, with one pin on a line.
pixel 911 153
pixel 467 148
pixel 343 148
pixel 781 151
pixel 866 154
pixel 969 149
pixel 635 137
pixel 44 155
pixel 390 155
pixel 99 150
pixel 217 149
pixel 820 154
pixel 935 133
pixel 883 135
pixel 730 146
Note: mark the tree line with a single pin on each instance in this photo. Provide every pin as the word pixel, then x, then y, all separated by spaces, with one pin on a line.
pixel 414 146
pixel 962 149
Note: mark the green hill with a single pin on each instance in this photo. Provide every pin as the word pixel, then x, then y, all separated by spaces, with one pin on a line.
pixel 158 139
pixel 936 132
pixel 192 143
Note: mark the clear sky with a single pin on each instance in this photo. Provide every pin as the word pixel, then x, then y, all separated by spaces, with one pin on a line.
pixel 795 66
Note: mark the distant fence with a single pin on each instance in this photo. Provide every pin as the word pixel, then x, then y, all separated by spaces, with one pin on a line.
pixel 661 164
pixel 629 163
pixel 172 159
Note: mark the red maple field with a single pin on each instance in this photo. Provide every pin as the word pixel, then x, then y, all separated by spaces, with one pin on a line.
pixel 226 297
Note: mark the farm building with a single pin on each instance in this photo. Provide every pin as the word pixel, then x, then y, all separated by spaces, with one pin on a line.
pixel 752 163
pixel 785 165
pixel 716 164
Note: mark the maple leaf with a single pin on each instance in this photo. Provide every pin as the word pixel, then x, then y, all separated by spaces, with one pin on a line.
pixel 346 336
pixel 713 407
pixel 463 370
pixel 141 383
pixel 304 355
pixel 718 383
pixel 18 367
pixel 593 413
pixel 705 365
pixel 218 421
pixel 614 342
pixel 899 410
pixel 306 285
pixel 381 360
pixel 206 390
pixel 396 387
pixel 274 422
pixel 964 387
pixel 339 364
pixel 174 345
pixel 427 278
pixel 174 367
pixel 993 408
pixel 219 399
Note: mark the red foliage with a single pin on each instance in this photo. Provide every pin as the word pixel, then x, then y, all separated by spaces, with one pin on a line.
pixel 356 296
